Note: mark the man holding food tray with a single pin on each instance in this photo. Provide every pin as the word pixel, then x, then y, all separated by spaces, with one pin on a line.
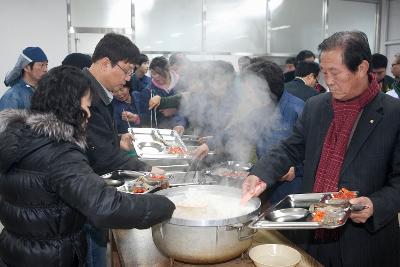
pixel 346 138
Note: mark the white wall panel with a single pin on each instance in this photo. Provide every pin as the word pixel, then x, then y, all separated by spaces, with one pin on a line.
pixel 351 15
pixel 168 25
pixel 236 26
pixel 394 20
pixel 32 23
pixel 101 13
pixel 295 25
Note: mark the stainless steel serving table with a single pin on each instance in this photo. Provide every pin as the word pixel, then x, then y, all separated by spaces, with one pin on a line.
pixel 136 248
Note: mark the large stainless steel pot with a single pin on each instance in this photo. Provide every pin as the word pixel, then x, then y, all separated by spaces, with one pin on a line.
pixel 205 241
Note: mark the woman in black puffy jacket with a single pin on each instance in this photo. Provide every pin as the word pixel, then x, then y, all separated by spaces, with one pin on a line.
pixel 47 188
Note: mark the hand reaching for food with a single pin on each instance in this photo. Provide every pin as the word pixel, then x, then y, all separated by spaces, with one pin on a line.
pixel 252 187
pixel 154 102
pixel 126 141
pixel 201 151
pixel 179 129
pixel 129 116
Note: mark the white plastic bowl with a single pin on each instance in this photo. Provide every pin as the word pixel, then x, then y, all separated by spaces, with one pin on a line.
pixel 274 255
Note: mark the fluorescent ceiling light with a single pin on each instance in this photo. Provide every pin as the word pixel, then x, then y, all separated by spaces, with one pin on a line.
pixel 280 28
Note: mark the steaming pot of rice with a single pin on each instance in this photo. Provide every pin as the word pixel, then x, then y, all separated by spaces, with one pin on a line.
pixel 209 224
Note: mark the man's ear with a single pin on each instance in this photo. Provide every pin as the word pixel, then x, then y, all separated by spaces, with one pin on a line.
pixel 104 62
pixel 309 78
pixel 363 68
pixel 27 68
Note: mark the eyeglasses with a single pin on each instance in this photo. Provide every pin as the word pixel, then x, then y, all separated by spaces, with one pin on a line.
pixel 127 72
pixel 394 64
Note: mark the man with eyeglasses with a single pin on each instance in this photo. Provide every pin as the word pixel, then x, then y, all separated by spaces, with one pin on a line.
pixel 112 66
pixel 23 78
pixel 396 67
pixel 395 92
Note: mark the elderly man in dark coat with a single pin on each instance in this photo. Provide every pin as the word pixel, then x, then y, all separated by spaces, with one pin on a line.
pixel 346 138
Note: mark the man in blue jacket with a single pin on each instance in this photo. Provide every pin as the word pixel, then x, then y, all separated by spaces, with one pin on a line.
pixel 23 78
pixel 290 106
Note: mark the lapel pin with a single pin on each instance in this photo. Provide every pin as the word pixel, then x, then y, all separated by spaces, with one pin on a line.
pixel 371 121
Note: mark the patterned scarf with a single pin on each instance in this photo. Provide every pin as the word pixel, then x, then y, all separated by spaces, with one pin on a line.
pixel 337 138
pixel 335 145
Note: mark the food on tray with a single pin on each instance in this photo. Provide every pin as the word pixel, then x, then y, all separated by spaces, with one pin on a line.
pixel 145 183
pixel 138 189
pixel 176 150
pixel 329 215
pixel 344 194
pixel 157 176
pixel 318 216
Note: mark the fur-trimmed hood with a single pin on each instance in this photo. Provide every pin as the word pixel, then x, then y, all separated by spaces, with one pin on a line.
pixel 11 123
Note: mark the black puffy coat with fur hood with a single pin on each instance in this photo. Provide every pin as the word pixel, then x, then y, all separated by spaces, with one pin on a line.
pixel 48 191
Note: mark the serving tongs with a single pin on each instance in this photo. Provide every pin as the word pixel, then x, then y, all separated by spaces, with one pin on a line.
pixel 154 110
pixel 156 135
pixel 130 129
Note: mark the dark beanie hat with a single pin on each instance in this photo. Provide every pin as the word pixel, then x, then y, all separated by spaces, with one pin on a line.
pixel 78 60
pixel 35 54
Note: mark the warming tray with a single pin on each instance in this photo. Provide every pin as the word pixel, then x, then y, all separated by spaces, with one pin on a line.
pixel 296 211
pixel 151 143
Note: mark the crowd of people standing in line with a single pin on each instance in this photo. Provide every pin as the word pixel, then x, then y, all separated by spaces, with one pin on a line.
pixel 60 129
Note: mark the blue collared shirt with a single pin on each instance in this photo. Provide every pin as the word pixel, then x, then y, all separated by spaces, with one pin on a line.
pixel 17 97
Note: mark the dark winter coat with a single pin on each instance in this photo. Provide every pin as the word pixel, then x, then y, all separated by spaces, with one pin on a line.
pixel 48 191
pixel 371 166
pixel 104 152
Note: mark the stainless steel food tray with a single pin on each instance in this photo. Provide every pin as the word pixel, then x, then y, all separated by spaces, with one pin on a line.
pixel 132 178
pixel 306 201
pixel 149 147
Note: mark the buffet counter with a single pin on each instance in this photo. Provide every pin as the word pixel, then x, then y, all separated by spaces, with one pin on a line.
pixel 136 248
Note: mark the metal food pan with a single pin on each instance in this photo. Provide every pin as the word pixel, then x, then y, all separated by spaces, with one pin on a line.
pixel 169 164
pixel 151 143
